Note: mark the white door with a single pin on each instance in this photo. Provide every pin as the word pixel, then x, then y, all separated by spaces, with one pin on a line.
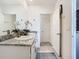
pixel 45 28
pixel 56 31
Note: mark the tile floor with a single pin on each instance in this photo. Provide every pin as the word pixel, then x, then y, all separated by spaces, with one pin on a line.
pixel 45 48
pixel 45 52
pixel 45 56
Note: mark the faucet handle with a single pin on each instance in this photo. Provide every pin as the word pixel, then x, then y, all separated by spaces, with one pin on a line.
pixel 8 31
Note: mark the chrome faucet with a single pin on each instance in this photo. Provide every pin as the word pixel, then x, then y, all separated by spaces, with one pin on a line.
pixel 8 32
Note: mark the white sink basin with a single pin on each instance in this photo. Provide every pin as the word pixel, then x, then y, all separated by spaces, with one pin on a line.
pixel 24 38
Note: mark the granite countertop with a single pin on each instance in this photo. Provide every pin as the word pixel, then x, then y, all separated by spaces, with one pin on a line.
pixel 21 41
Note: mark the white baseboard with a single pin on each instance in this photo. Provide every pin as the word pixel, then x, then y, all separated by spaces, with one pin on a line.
pixel 57 54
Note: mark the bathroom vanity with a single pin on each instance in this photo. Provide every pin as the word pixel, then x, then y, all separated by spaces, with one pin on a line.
pixel 18 48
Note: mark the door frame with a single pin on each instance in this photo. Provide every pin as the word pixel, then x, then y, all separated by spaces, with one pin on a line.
pixel 73 29
pixel 73 21
pixel 61 32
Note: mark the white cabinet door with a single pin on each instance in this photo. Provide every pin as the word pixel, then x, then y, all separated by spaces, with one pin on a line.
pixel 14 52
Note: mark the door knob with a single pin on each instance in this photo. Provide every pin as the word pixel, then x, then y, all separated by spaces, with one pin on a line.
pixel 58 33
pixel 42 31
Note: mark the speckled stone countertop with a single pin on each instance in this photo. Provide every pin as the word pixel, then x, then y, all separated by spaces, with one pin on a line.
pixel 21 41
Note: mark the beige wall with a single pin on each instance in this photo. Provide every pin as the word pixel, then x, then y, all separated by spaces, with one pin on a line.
pixel 1 23
pixel 66 28
pixel 9 22
pixel 55 28
pixel 6 22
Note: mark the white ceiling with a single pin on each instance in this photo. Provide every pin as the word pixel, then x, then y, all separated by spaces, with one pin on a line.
pixel 14 3
pixel 42 2
pixel 11 2
pixel 33 2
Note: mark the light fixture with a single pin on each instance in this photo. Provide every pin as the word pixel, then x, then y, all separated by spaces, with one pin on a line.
pixel 31 0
